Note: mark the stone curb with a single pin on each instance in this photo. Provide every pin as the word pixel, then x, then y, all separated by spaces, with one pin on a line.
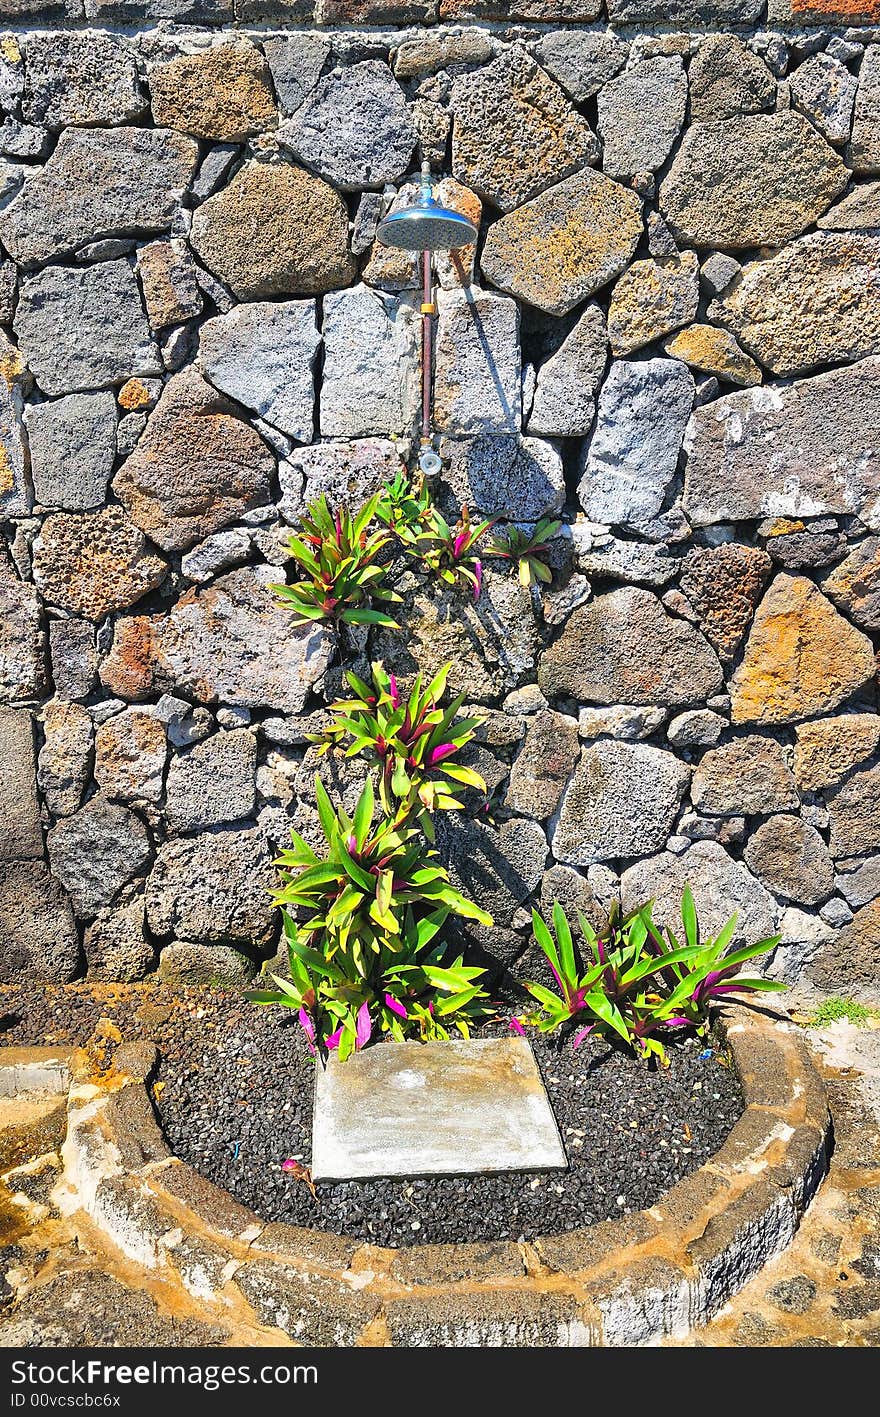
pixel 34 1070
pixel 619 1283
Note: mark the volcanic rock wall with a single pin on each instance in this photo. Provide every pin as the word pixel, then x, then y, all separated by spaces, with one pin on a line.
pixel 669 332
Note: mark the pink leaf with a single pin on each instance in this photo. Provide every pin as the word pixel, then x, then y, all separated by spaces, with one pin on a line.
pixel 332 1041
pixel 364 1025
pixel 395 1006
pixel 308 1028
pixel 517 1027
pixel 441 752
pixel 581 1035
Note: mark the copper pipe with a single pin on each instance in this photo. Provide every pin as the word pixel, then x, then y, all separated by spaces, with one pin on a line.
pixel 427 342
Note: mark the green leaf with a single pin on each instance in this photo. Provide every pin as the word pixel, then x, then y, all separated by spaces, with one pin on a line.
pixel 437 687
pixel 363 814
pixel 764 986
pixel 325 809
pixel 657 963
pixel 320 875
pixel 265 996
pixel 356 873
pixel 565 942
pixel 605 1010
pixel 457 1001
pixel 317 962
pixel 400 782
pixel 725 936
pixel 545 941
pixel 544 996
pixel 369 617
pixel 467 776
pixel 689 917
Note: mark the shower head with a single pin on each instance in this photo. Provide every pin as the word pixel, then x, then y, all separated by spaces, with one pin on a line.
pixel 426 226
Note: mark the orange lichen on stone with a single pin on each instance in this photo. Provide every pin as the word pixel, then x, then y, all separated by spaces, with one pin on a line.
pixel 828 749
pixel 128 669
pixel 566 243
pixel 222 93
pixel 801 658
pixel 856 14
pixel 714 351
pixel 95 562
pixel 134 394
pixel 7 472
pixel 12 365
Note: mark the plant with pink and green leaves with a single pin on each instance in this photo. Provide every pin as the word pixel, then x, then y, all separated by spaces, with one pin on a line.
pixel 415 743
pixel 358 919
pixel 527 550
pixel 341 576
pixel 637 983
pixel 713 976
pixel 450 552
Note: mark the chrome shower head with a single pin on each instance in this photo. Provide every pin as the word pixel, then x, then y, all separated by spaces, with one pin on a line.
pixel 426 226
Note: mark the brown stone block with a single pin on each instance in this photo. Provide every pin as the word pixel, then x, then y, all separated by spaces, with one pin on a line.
pixel 274 9
pixel 749 1142
pixel 29 1128
pixel 503 1319
pixel 310 1308
pixel 456 1264
pixel 20 834
pixel 547 11
pixel 136 1132
pixel 580 1250
pixel 689 1205
pixel 213 1207
pixel 762 1066
pixel 823 12
pixel 307 1246
pixel 222 93
pixel 41 10
pixel 376 12
pixel 741 1239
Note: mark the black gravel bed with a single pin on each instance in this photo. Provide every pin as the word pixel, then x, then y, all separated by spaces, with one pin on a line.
pixel 234 1097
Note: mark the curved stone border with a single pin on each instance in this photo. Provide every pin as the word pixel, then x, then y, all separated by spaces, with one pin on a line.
pixel 622 1282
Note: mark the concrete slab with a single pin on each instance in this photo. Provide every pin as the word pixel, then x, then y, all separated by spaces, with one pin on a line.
pixel 468 1107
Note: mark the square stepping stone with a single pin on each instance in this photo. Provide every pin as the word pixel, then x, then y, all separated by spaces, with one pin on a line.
pixel 468 1107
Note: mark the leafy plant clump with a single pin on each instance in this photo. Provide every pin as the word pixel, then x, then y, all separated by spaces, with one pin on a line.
pixel 362 917
pixel 363 914
pixel 637 982
pixel 412 740
pixel 340 573
pixel 528 551
pixel 341 569
pixel 836 1008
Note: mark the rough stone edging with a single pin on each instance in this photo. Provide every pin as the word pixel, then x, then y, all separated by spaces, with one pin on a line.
pixel 618 1283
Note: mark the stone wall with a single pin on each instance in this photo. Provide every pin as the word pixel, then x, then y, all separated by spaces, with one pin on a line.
pixel 670 330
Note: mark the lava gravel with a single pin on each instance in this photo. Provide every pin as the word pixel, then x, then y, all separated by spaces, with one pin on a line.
pixel 234 1096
